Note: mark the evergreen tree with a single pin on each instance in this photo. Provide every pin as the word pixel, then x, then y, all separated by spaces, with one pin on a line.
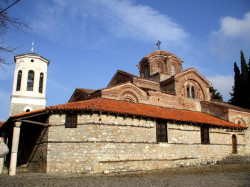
pixel 215 94
pixel 241 89
pixel 243 81
pixel 235 95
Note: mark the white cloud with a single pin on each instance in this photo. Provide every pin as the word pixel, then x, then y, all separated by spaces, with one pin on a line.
pixel 105 19
pixel 223 84
pixel 233 35
pixel 233 27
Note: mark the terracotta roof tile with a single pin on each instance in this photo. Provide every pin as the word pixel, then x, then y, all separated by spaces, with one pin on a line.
pixel 122 107
pixel 227 105
pixel 88 91
pixel 126 73
pixel 159 52
pixel 28 113
pixel 127 108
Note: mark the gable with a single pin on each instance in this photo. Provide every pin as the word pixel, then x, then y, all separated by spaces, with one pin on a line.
pixel 80 94
pixel 120 77
pixel 125 92
pixel 192 73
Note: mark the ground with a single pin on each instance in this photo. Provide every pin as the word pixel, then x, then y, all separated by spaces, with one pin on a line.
pixel 216 175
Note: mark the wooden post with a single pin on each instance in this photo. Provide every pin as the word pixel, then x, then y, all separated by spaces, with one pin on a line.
pixel 14 148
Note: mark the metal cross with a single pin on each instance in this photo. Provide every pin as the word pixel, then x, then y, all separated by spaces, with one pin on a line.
pixel 32 47
pixel 158 44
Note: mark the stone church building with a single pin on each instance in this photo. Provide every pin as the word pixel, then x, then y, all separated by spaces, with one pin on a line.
pixel 163 118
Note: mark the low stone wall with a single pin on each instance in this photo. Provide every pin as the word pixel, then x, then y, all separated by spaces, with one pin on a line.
pixel 107 143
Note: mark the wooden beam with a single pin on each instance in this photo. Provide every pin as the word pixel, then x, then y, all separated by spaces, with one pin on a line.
pixel 33 122
pixel 32 115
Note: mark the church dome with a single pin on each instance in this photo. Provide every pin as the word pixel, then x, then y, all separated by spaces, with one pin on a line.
pixel 159 65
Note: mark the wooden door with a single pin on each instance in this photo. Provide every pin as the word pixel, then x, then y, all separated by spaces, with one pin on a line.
pixel 234 144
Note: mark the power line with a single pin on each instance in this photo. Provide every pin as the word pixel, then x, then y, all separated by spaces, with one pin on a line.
pixel 9 6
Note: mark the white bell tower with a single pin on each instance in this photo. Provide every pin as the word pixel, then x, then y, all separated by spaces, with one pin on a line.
pixel 29 85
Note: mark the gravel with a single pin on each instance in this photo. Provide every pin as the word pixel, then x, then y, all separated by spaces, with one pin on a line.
pixel 209 175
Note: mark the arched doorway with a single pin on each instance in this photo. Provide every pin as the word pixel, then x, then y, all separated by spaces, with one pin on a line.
pixel 234 144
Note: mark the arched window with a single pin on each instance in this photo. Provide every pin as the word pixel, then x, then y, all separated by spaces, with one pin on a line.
pixel 172 70
pixel 19 79
pixel 188 91
pixel 192 92
pixel 41 83
pixel 30 81
pixel 146 72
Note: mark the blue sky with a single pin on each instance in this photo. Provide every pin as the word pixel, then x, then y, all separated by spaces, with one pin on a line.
pixel 87 41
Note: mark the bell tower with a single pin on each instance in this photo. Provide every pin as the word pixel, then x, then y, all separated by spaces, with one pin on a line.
pixel 29 85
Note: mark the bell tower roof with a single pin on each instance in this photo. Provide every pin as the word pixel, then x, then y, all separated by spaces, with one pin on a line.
pixel 31 55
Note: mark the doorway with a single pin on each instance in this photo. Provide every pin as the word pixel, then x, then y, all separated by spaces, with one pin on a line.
pixel 234 144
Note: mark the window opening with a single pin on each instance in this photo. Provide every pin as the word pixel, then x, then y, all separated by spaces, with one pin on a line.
pixel 71 121
pixel 172 70
pixel 145 71
pixel 19 79
pixel 192 92
pixel 30 82
pixel 41 83
pixel 234 144
pixel 161 131
pixel 188 91
pixel 205 135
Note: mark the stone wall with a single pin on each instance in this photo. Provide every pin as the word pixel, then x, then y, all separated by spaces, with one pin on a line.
pixel 37 161
pixel 17 108
pixel 244 117
pixel 108 143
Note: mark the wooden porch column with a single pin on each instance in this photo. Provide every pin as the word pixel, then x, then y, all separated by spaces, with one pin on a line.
pixel 14 148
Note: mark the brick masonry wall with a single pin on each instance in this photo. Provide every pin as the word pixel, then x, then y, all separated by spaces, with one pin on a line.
pixel 107 143
pixel 173 101
pixel 215 110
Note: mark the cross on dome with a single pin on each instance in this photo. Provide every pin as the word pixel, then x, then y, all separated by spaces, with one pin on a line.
pixel 158 44
pixel 32 47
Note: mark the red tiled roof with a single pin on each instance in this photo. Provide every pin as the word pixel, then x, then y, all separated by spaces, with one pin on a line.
pixel 28 113
pixel 159 52
pixel 88 91
pixel 122 107
pixel 226 105
pixel 126 73
pixel 136 109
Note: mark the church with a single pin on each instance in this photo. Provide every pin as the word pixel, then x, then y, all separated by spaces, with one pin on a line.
pixel 163 118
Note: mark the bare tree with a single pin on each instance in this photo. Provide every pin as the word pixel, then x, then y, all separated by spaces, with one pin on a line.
pixel 7 23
